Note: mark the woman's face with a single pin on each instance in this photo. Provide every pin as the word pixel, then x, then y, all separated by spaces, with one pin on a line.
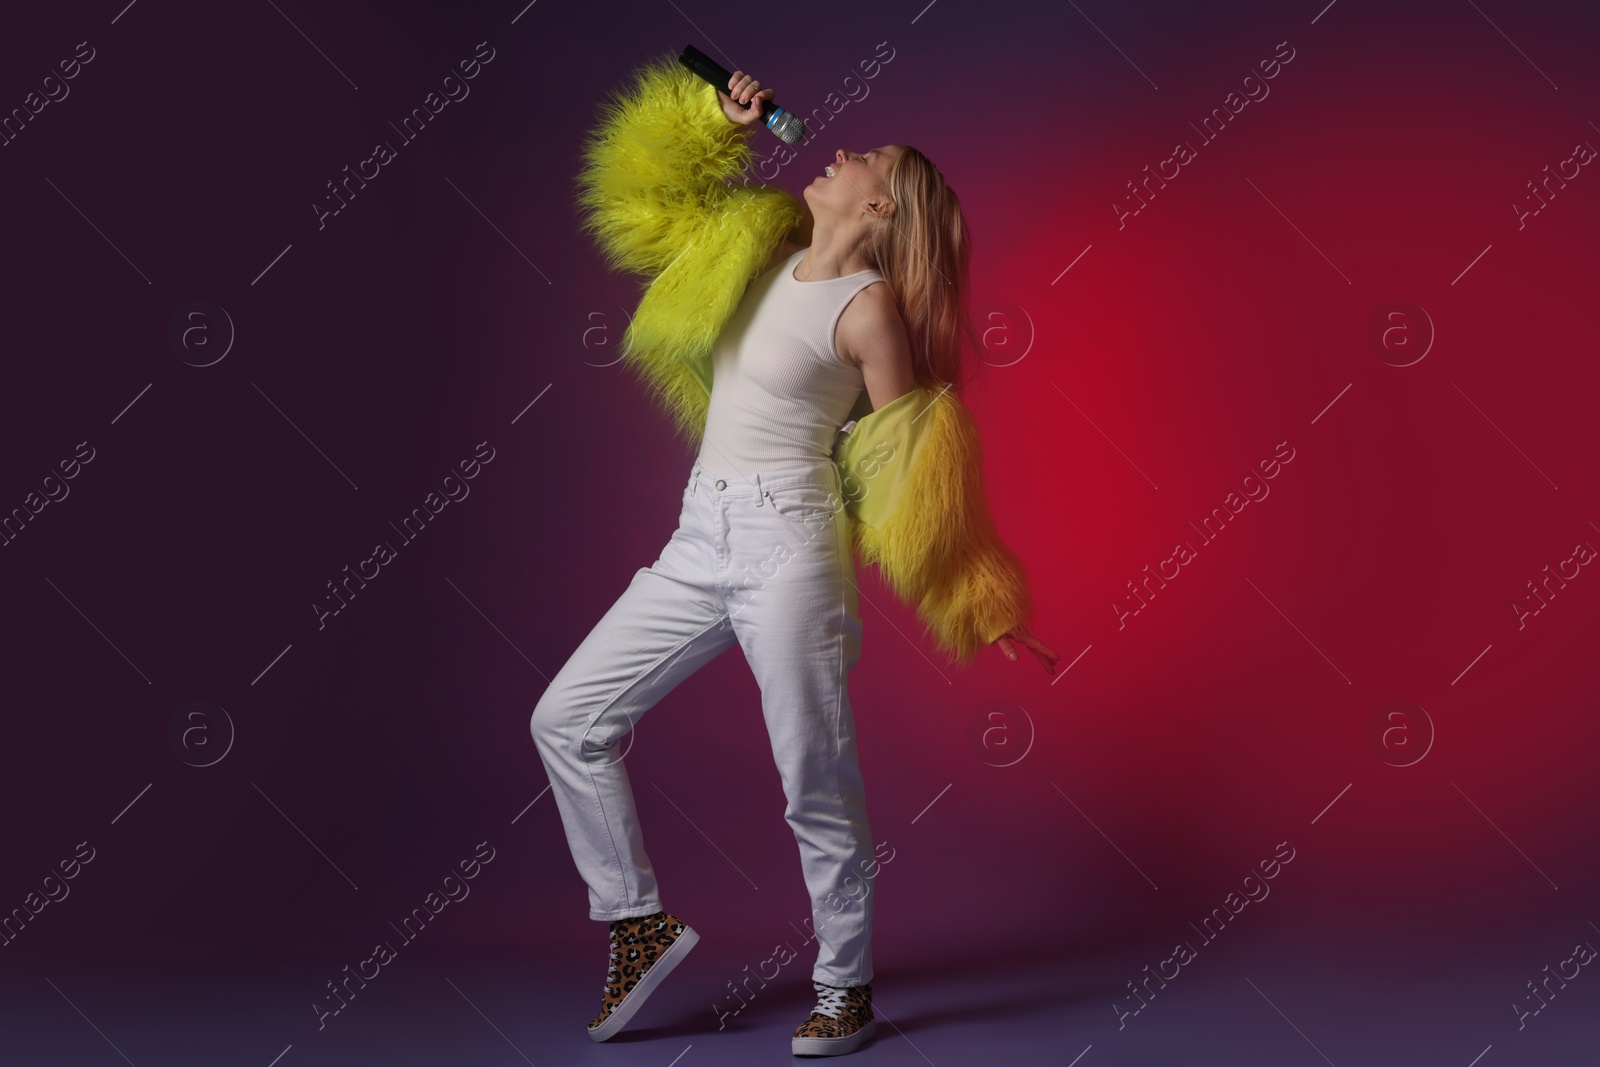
pixel 858 177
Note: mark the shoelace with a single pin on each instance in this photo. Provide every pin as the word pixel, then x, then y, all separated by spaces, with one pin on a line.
pixel 616 955
pixel 830 1000
pixel 635 926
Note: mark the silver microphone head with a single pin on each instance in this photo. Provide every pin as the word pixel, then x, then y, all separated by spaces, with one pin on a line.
pixel 788 127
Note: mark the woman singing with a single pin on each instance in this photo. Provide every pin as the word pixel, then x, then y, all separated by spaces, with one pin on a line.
pixel 813 353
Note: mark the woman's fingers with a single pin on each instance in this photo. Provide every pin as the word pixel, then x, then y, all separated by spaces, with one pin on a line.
pixel 743 88
pixel 1047 662
pixel 1047 657
pixel 741 101
pixel 1043 649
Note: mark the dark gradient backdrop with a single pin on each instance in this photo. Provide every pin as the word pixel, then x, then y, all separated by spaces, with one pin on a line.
pixel 1372 273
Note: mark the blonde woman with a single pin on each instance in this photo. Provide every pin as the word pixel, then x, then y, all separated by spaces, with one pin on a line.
pixel 812 354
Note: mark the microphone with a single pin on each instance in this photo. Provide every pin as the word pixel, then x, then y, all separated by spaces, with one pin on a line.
pixel 785 124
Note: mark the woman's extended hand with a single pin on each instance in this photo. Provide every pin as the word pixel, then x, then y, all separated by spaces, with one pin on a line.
pixel 1040 649
pixel 743 90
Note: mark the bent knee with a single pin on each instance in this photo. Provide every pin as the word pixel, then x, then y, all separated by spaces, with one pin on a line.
pixel 553 717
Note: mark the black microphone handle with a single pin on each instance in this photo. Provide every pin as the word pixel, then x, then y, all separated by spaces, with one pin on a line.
pixel 712 71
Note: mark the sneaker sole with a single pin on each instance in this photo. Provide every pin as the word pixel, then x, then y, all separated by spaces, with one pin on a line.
pixel 834 1046
pixel 640 993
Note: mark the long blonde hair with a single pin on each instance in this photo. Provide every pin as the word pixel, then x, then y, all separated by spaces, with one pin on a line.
pixel 923 252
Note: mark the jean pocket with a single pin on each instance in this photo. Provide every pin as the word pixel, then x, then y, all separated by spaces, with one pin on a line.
pixel 810 502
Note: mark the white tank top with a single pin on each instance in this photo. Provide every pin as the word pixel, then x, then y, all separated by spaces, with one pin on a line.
pixel 780 391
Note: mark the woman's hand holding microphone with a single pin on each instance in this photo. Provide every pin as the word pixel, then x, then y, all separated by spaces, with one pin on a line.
pixel 742 102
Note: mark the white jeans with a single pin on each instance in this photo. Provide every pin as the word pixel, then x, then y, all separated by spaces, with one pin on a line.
pixel 764 560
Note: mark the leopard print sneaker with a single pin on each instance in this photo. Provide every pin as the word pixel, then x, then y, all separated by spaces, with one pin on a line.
pixel 644 950
pixel 841 1022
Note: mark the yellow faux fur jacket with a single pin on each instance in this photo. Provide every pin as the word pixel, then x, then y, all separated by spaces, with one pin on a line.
pixel 655 193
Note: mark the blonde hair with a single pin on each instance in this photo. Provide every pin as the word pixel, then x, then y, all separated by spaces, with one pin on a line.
pixel 923 252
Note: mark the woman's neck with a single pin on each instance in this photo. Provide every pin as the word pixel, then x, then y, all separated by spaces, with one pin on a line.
pixel 831 255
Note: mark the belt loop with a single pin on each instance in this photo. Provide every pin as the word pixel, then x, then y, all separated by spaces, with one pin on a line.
pixel 760 493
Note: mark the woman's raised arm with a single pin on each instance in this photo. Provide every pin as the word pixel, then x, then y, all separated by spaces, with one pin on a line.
pixel 656 167
pixel 655 193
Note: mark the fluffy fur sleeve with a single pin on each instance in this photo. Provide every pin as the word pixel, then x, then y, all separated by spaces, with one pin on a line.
pixel 655 164
pixel 654 192
pixel 930 531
